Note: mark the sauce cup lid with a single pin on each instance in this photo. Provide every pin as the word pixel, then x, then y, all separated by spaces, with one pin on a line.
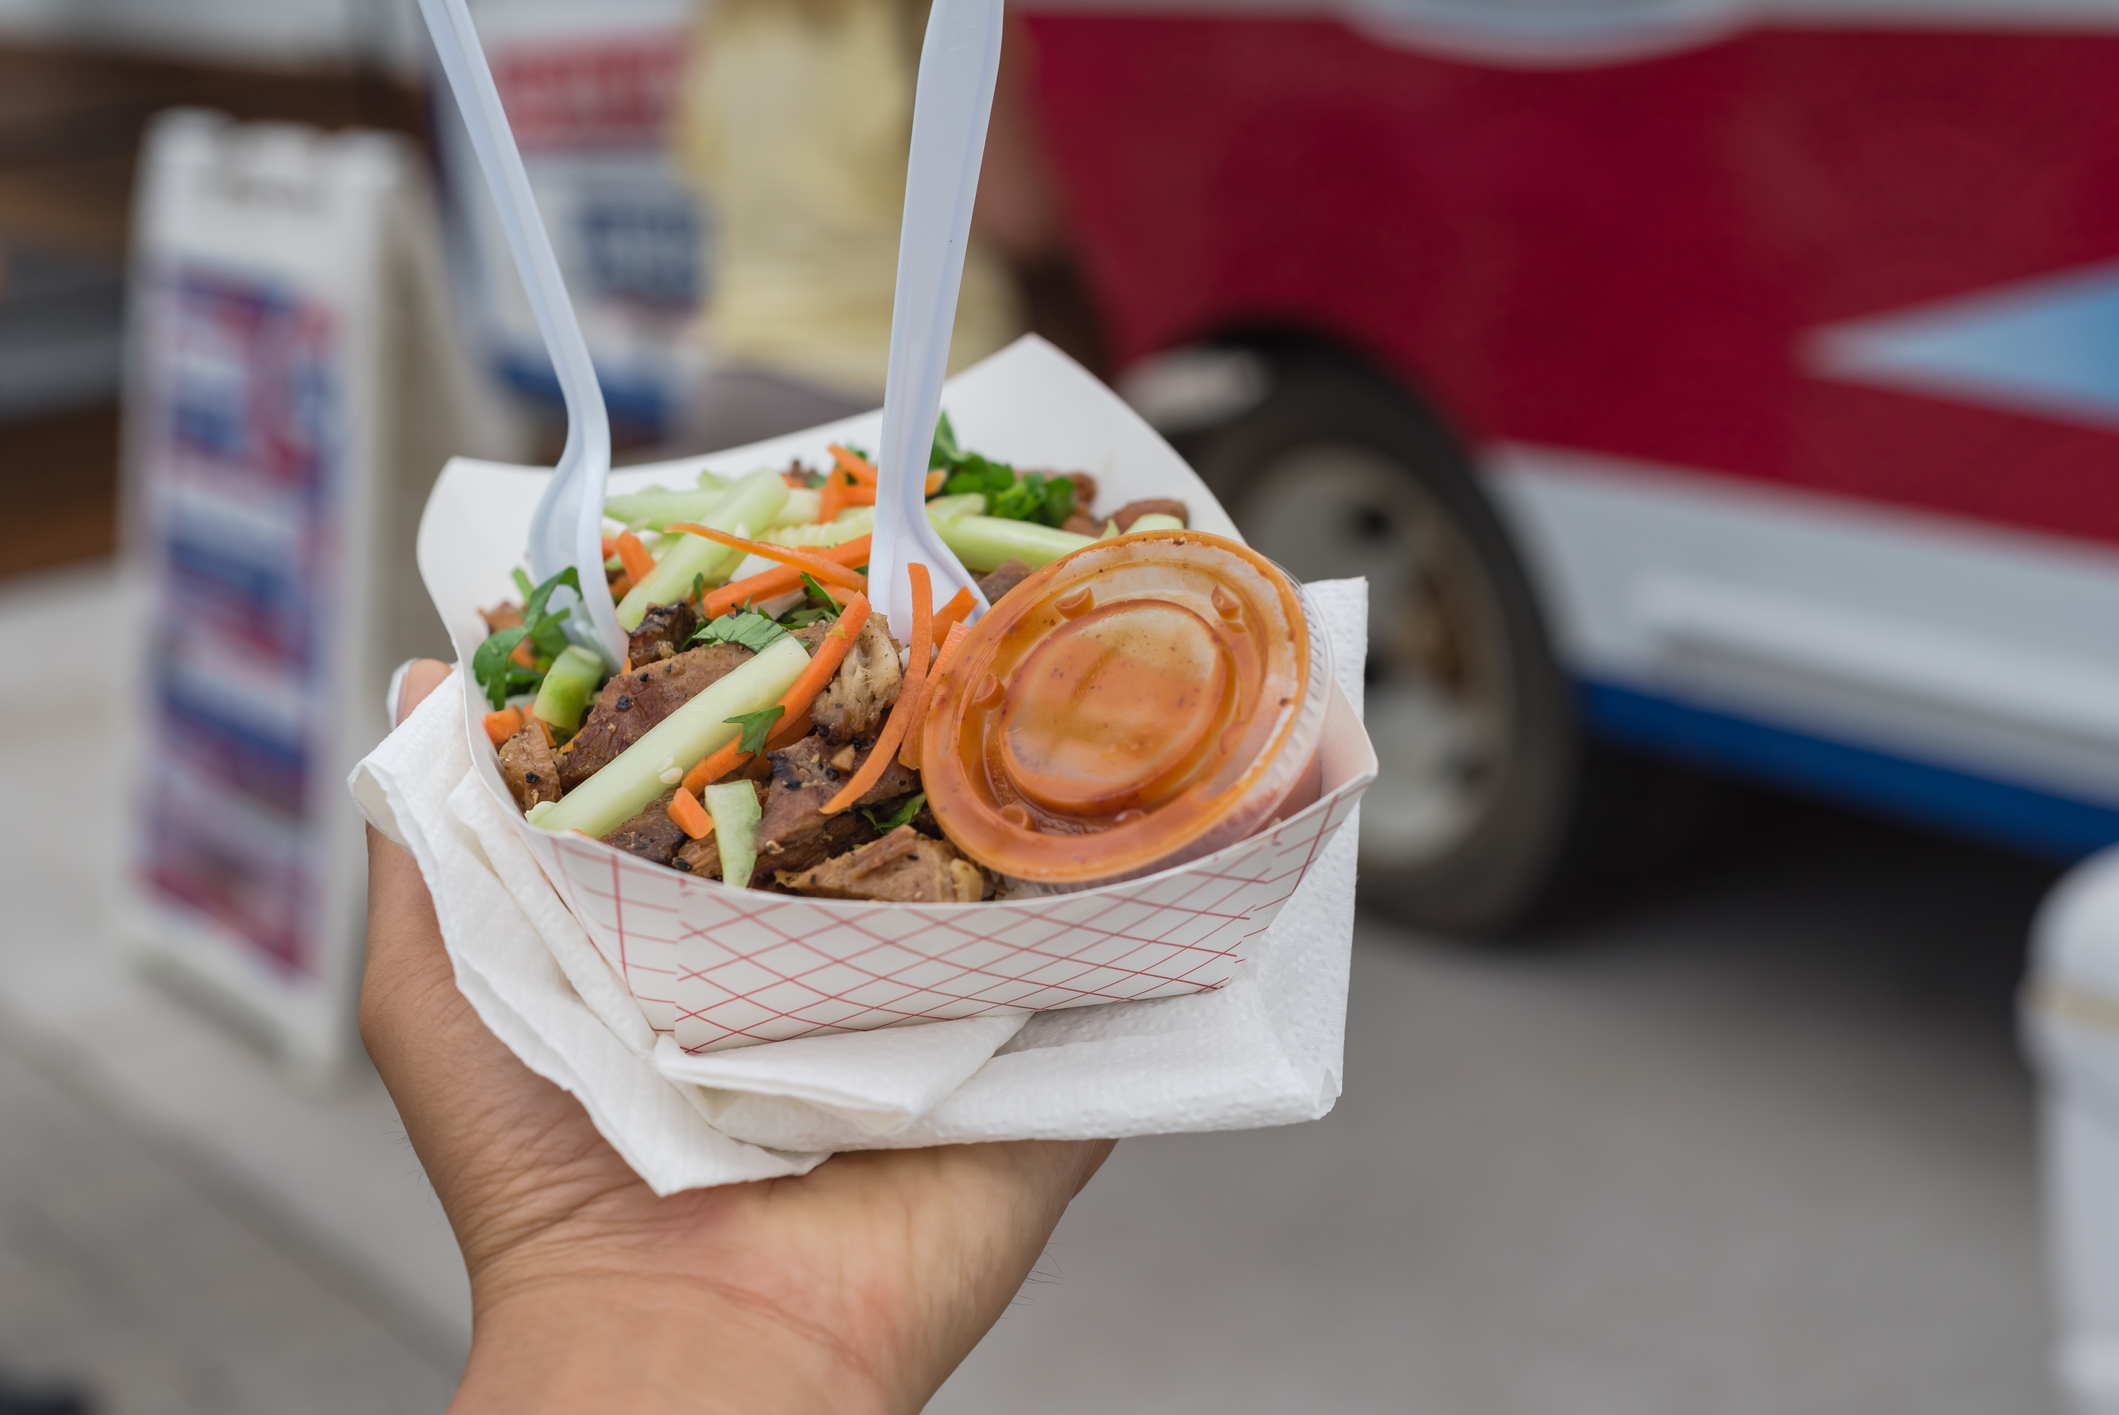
pixel 1117 706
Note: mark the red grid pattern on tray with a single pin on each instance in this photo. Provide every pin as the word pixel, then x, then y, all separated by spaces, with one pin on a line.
pixel 718 967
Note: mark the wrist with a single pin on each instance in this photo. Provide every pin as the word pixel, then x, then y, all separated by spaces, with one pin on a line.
pixel 618 1342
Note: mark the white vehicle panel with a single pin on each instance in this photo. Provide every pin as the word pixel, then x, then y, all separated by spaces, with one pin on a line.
pixel 1987 650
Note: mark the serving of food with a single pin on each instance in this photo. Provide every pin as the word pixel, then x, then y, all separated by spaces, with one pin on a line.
pixel 786 815
pixel 1139 692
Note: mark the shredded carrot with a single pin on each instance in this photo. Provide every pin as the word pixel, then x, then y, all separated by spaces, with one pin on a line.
pixel 780 580
pixel 715 765
pixel 610 546
pixel 635 557
pixel 922 647
pixel 858 496
pixel 628 666
pixel 908 696
pixel 955 612
pixel 831 572
pixel 621 586
pixel 854 464
pixel 909 750
pixel 823 667
pixel 502 725
pixel 830 498
pixel 689 816
pixel 863 471
pixel 525 654
pixel 794 478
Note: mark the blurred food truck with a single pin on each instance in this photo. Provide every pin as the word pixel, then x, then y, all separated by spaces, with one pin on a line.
pixel 1737 381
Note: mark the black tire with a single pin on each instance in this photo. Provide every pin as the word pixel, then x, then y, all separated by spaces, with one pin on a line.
pixel 1337 471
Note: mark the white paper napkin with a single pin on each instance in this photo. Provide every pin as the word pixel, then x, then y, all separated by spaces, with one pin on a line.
pixel 1265 1050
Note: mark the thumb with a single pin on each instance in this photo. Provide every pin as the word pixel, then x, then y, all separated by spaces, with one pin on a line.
pixel 421 677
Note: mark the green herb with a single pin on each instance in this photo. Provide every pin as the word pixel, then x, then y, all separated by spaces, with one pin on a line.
pixel 497 672
pixel 1059 501
pixel 945 448
pixel 522 581
pixel 906 810
pixel 816 606
pixel 756 725
pixel 746 627
pixel 1009 496
pixel 493 665
pixel 817 591
pixel 699 589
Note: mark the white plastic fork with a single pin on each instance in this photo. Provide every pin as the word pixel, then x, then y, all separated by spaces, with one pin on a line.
pixel 567 527
pixel 959 62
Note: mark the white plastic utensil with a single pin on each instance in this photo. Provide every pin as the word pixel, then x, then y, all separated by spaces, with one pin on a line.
pixel 958 64
pixel 567 528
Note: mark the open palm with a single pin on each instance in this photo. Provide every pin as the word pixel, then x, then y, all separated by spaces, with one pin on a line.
pixel 857 1287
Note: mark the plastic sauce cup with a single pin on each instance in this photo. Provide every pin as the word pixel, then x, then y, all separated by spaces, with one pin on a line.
pixel 1137 704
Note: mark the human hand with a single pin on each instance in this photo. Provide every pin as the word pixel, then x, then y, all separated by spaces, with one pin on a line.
pixel 858 1287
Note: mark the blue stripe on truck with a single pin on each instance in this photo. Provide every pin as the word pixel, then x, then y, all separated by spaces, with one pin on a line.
pixel 1923 791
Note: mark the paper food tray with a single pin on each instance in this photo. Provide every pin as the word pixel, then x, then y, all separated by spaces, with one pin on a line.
pixel 716 967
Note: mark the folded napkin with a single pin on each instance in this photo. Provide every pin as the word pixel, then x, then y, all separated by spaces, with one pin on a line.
pixel 1264 1050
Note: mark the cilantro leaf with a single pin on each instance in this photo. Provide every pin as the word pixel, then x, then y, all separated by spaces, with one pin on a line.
pixel 494 666
pixel 492 663
pixel 545 633
pixel 756 725
pixel 1059 501
pixel 533 607
pixel 907 809
pixel 1020 500
pixel 745 627
pixel 945 448
pixel 818 591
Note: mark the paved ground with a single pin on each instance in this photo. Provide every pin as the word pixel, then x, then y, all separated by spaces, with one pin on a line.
pixel 171 1293
pixel 1757 1141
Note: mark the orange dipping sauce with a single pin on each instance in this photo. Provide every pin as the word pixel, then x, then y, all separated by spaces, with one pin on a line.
pixel 1137 703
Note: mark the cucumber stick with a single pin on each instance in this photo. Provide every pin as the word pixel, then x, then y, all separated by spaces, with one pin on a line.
pixel 752 502
pixel 572 680
pixel 658 506
pixel 802 508
pixel 985 543
pixel 680 741
pixel 859 521
pixel 734 807
pixel 968 503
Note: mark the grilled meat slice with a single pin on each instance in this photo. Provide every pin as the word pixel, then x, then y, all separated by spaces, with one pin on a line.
pixel 663 632
pixel 857 700
pixel 651 835
pixel 1082 525
pixel 904 867
pixel 699 858
pixel 1132 511
pixel 998 582
pixel 631 703
pixel 794 833
pixel 528 766
pixel 502 616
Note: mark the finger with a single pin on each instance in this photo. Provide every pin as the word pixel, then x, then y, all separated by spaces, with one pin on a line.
pixel 422 678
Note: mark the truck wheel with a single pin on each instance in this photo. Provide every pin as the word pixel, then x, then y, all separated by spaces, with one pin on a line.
pixel 1337 472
